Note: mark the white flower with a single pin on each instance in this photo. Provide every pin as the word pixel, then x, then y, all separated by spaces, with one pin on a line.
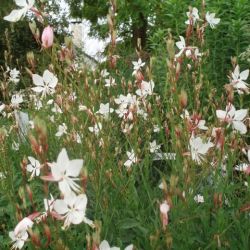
pixel 2 176
pixel 96 129
pixel 18 240
pixel 156 128
pixel 16 100
pixel 78 138
pixel 66 171
pixel 244 167
pixel 105 246
pixel 14 75
pixel 126 128
pixel 73 209
pixel 34 167
pixel 17 14
pixel 20 235
pixel 193 16
pixel 110 82
pixel 198 148
pixel 181 45
pixel 234 117
pixel 201 124
pixel 164 209
pixel 62 129
pixel 104 73
pixel 199 198
pixel 212 20
pixel 194 120
pixel 238 80
pixel 145 89
pixel 197 53
pixel 15 146
pixel 137 66
pixel 105 110
pixel 153 147
pixel 2 107
pixel 46 84
pixel 131 159
pixel 82 108
pixel 56 109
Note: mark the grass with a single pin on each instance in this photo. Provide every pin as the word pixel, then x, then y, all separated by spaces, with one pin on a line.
pixel 124 203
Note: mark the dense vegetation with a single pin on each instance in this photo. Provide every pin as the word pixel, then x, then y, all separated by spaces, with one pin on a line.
pixel 150 150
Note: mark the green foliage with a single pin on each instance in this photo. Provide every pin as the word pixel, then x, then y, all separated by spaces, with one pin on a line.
pixel 124 203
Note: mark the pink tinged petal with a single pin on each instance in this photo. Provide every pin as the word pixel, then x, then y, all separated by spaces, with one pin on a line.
pixel 244 74
pixel 240 126
pixel 37 80
pixel 34 215
pixel 23 225
pixel 48 178
pixel 248 155
pixel 240 114
pixel 221 114
pixel 47 37
pixel 61 207
pixel 74 168
pixel 56 215
pixel 57 172
pixel 248 170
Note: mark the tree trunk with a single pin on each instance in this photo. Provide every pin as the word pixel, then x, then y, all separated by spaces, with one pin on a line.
pixel 139 31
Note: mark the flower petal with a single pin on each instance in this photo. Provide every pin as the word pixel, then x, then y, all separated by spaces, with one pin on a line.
pixel 74 168
pixel 37 80
pixel 15 15
pixel 240 126
pixel 61 207
pixel 240 114
pixel 244 74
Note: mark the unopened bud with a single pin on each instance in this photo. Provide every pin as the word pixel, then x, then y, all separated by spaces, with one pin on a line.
pixel 234 61
pixel 32 26
pixel 35 238
pixel 31 59
pixel 183 98
pixel 47 233
pixel 29 192
pixel 170 48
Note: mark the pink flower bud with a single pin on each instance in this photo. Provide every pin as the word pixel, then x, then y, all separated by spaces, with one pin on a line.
pixel 164 209
pixel 47 37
